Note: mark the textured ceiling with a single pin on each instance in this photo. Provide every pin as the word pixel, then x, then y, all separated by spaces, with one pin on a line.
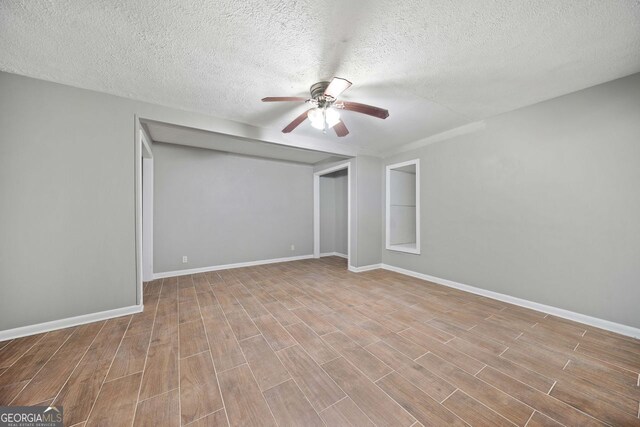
pixel 435 65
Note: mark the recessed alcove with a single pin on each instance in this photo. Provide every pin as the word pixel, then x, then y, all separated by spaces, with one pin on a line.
pixel 403 207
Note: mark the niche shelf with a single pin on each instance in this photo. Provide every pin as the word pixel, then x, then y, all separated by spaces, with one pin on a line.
pixel 403 207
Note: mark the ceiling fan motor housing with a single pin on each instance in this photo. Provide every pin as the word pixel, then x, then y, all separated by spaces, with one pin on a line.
pixel 317 89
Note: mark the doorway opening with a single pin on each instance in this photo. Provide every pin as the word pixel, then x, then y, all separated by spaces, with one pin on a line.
pixel 332 212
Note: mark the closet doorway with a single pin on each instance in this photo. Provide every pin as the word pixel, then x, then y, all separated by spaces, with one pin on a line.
pixel 332 212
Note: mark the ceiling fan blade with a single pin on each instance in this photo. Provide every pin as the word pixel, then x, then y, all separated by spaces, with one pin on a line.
pixel 296 122
pixel 370 110
pixel 341 129
pixel 336 87
pixel 283 99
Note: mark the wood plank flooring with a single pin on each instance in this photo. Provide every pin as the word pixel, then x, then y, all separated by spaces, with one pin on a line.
pixel 308 343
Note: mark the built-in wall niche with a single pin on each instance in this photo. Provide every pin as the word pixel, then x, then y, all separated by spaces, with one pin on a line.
pixel 403 207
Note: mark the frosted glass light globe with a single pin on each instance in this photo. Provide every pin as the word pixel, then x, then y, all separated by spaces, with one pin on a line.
pixel 333 117
pixel 317 117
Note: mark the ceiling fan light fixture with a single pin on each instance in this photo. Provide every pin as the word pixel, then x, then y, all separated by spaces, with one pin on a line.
pixel 318 117
pixel 325 111
pixel 332 117
pixel 318 125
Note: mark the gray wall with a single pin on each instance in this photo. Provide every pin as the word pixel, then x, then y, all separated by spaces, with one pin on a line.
pixel 217 208
pixel 67 202
pixel 334 212
pixel 369 205
pixel 543 204
pixel 67 197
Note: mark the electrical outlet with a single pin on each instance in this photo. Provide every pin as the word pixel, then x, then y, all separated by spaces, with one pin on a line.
pixel 185 259
pixel 293 247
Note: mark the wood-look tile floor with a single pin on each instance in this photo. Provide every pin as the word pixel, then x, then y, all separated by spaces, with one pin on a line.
pixel 308 343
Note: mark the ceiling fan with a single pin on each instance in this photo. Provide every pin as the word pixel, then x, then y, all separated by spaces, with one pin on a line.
pixel 325 114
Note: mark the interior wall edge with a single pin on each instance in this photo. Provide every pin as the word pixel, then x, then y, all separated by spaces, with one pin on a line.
pixel 556 311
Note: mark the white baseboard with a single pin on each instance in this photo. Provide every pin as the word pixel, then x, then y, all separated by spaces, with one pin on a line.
pixel 68 322
pixel 227 266
pixel 566 314
pixel 334 254
pixel 364 268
